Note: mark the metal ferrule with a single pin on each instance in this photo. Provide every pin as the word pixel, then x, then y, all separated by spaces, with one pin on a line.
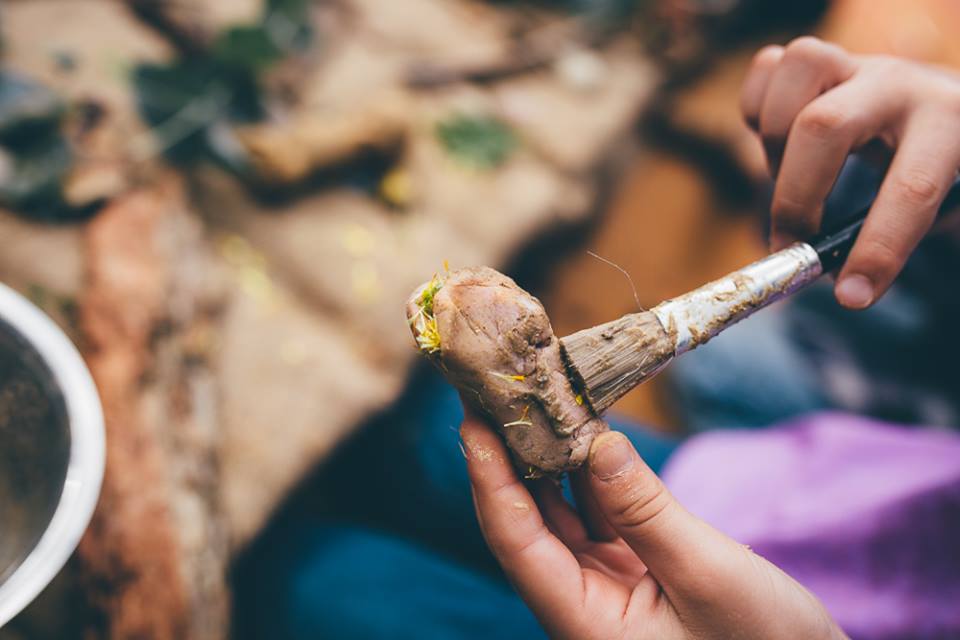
pixel 695 317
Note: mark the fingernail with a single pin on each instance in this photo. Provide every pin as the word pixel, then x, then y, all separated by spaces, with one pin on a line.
pixel 855 291
pixel 611 455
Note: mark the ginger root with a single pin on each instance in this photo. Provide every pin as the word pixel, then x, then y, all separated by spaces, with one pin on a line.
pixel 493 341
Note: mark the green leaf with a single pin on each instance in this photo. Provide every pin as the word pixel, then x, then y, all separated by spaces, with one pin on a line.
pixel 481 142
pixel 188 100
pixel 31 182
pixel 183 100
pixel 246 46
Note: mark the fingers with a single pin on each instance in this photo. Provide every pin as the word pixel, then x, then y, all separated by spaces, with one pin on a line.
pixel 822 136
pixel 812 111
pixel 685 555
pixel 543 570
pixel 807 68
pixel 593 519
pixel 559 515
pixel 923 169
pixel 755 84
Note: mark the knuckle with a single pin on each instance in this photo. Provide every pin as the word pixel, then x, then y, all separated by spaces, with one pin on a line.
pixel 766 55
pixel 643 506
pixel 822 120
pixel 789 213
pixel 805 48
pixel 511 546
pixel 881 258
pixel 918 189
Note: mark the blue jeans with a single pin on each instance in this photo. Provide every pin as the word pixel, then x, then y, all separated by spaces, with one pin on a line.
pixel 393 550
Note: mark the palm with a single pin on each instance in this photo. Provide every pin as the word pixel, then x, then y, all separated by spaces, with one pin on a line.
pixel 620 597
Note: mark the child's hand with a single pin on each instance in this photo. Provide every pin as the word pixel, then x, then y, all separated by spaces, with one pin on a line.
pixel 632 563
pixel 813 104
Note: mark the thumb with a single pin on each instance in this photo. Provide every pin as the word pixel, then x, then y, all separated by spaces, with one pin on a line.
pixel 685 555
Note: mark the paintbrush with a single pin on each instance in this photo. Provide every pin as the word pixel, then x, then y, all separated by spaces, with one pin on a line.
pixel 608 360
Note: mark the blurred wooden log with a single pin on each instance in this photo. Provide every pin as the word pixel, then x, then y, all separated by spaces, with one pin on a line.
pixel 290 152
pixel 154 558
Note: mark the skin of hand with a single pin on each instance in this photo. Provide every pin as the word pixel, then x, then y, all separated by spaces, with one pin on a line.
pixel 629 562
pixel 813 104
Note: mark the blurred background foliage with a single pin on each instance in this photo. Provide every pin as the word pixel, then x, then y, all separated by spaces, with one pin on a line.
pixel 220 82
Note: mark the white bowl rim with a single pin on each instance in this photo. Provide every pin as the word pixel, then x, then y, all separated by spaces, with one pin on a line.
pixel 81 487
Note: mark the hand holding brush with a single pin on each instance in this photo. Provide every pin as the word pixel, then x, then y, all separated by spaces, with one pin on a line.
pixel 608 360
pixel 812 104
pixel 629 561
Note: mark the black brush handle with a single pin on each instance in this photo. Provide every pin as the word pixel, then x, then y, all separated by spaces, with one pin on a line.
pixel 833 247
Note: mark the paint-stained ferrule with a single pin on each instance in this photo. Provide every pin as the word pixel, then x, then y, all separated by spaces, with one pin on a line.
pixel 695 317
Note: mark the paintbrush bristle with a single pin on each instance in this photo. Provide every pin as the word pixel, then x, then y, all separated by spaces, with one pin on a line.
pixel 608 360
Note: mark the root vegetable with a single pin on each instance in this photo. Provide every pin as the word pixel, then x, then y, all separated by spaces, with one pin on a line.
pixel 493 341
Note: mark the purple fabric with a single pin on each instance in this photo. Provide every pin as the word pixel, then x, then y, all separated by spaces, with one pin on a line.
pixel 864 514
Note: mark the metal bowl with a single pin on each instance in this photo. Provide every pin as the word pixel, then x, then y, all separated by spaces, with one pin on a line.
pixel 51 451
